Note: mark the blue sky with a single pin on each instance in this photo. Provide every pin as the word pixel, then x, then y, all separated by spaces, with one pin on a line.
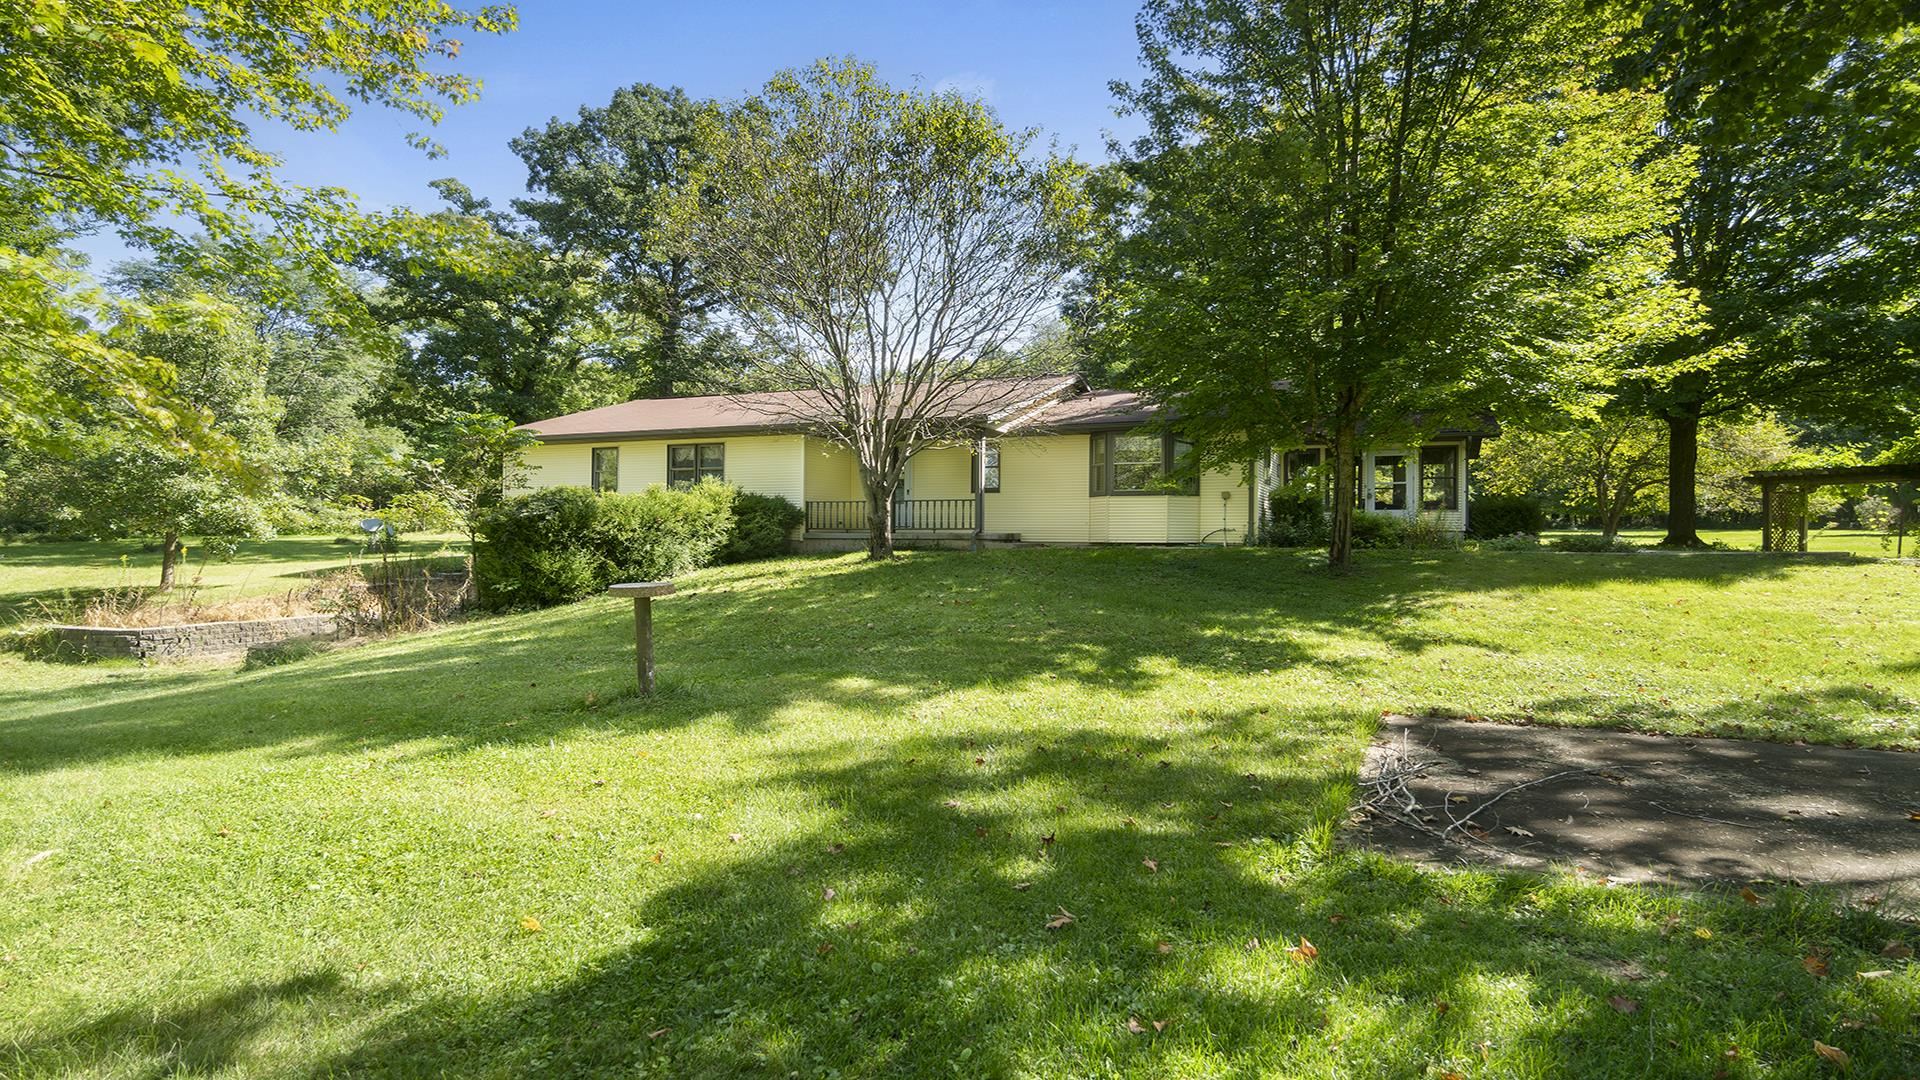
pixel 1039 64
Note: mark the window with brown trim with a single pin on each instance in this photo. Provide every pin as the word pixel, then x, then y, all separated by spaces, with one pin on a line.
pixel 604 474
pixel 1130 463
pixel 990 471
pixel 690 463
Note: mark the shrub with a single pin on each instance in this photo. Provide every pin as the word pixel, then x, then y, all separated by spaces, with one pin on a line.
pixel 1428 531
pixel 1515 542
pixel 1378 530
pixel 563 544
pixel 1589 542
pixel 760 526
pixel 1505 515
pixel 1296 518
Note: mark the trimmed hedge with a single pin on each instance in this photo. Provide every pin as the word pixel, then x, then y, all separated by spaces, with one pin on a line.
pixel 1505 515
pixel 760 526
pixel 563 544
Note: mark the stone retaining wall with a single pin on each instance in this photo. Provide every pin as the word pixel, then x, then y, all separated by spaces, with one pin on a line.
pixel 191 639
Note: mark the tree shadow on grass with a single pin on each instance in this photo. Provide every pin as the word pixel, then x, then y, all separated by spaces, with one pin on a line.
pixel 742 644
pixel 908 936
pixel 205 1036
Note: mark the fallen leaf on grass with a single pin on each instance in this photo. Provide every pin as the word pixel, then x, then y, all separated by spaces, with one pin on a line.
pixel 657 1033
pixel 1061 920
pixel 1163 948
pixel 836 849
pixel 828 893
pixel 1703 933
pixel 1879 974
pixel 1441 1007
pixel 1623 1004
pixel 952 804
pixel 1815 965
pixel 1750 896
pixel 825 948
pixel 1336 918
pixel 530 924
pixel 659 856
pixel 1303 952
pixel 1022 886
pixel 1047 840
pixel 979 761
pixel 1153 866
pixel 1129 822
pixel 1832 1054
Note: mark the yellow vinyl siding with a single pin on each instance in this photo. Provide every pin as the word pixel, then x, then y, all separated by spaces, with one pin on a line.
pixel 1222 520
pixel 1043 490
pixel 831 474
pixel 944 472
pixel 767 464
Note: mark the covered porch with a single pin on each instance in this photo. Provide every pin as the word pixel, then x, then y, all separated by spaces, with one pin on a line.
pixel 941 498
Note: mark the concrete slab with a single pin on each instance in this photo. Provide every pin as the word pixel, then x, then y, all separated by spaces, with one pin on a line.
pixel 1643 807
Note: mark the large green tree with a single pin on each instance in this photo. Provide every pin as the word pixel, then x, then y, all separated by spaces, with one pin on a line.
pixel 604 183
pixel 135 115
pixel 1360 219
pixel 1799 227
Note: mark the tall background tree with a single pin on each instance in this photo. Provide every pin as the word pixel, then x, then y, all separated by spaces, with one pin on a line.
pixel 1352 219
pixel 885 252
pixel 1799 226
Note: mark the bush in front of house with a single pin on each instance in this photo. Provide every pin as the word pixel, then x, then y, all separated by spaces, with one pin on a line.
pixel 1295 518
pixel 562 544
pixel 1372 530
pixel 761 524
pixel 1505 515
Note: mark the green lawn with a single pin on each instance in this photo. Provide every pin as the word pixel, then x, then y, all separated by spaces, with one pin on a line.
pixel 33 575
pixel 831 845
pixel 1856 541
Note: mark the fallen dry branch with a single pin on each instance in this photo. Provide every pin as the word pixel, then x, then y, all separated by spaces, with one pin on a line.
pixel 1564 773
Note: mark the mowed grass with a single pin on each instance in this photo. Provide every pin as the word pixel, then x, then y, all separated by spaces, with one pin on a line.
pixel 1864 542
pixel 833 842
pixel 37 577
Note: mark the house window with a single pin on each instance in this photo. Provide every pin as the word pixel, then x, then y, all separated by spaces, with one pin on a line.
pixel 1296 464
pixel 1389 481
pixel 690 463
pixel 990 471
pixel 1439 478
pixel 1132 464
pixel 605 474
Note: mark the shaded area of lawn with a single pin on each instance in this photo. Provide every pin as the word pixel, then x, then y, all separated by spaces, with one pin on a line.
pixel 475 852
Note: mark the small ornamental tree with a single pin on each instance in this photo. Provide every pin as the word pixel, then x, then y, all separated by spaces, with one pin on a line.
pixel 886 251
pixel 115 481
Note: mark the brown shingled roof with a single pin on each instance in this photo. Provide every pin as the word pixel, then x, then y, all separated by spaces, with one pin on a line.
pixel 770 412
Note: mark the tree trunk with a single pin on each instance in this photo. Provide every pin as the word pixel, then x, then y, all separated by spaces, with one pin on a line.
pixel 1683 463
pixel 169 559
pixel 879 525
pixel 1340 541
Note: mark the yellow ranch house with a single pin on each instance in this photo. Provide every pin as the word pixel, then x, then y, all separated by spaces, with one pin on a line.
pixel 1054 462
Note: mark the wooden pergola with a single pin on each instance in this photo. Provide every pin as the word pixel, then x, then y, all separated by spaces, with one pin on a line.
pixel 1783 496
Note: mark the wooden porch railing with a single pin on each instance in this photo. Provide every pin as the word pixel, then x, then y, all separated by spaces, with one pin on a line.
pixel 919 515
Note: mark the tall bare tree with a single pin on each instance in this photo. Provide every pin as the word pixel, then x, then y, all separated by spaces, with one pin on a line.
pixel 888 251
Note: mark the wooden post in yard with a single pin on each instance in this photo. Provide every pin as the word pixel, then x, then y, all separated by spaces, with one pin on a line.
pixel 643 593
